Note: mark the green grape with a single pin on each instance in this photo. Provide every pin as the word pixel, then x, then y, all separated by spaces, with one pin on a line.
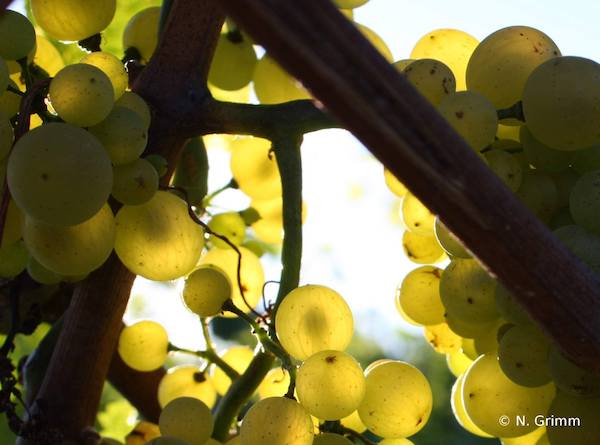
pixel 13 259
pixel 488 394
pixel 275 384
pixel 112 67
pixel 269 228
pixel 186 381
pixel 509 308
pixel 273 85
pixel 252 276
pixel 401 65
pixel 458 362
pixel 510 132
pixel 583 244
pixel 239 358
pixel 134 183
pixel 523 356
pixel 415 216
pixel 238 96
pixel 506 166
pixel 570 378
pixel 449 242
pixel 431 78
pixel 458 409
pixel 419 295
pixel 584 202
pixel 398 400
pixel 191 172
pixel 486 342
pixel 167 440
pixel 10 102
pixel 59 174
pixel 81 94
pixel 331 439
pixel 422 249
pixel 158 240
pixel 564 181
pixel 134 102
pixel 233 64
pixel 188 419
pixel 572 420
pixel 541 156
pixel 3 78
pixel 42 274
pixel 255 169
pixel 234 441
pixel 205 291
pixel 393 184
pixel 468 348
pixel 6 136
pixel 13 224
pixel 502 62
pixel 450 46
pixel 473 116
pixel 527 439
pixel 558 114
pixel 376 41
pixel 543 440
pixel 467 328
pixel 586 160
pixel 47 56
pixel 396 441
pixel 159 163
pixel 330 384
pixel 143 346
pixel 141 32
pixel 228 224
pixel 311 319
pixel 276 421
pixel 349 4
pixel 467 291
pixel 442 339
pixel 539 194
pixel 17 36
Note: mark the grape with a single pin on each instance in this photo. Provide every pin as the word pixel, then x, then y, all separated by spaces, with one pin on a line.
pixel 228 224
pixel 486 342
pixel 188 419
pixel 442 339
pixel 311 319
pixel 450 46
pixel 561 218
pixel 472 116
pixel 401 65
pixel 449 242
pixel 488 394
pixel 276 421
pixel 6 136
pixel 541 156
pixel 239 96
pixel 353 422
pixel 81 94
pixel 415 216
pixel 239 358
pixel 557 111
pixel 254 169
pixel 422 249
pixel 10 102
pixel 458 362
pixel 275 384
pixel 508 307
pixel 467 328
pixel 502 62
pixel 158 240
pixel 506 166
pixel 13 259
pixel 570 378
pixel 331 439
pixel 134 102
pixel 269 228
pixel 330 384
pixel 141 32
pixel 539 194
pixel 233 64
pixel 112 67
pixel 159 163
pixel 3 78
pixel 396 441
pixel 586 160
pixel 528 439
pixel 143 346
pixel 59 174
pixel 376 41
pixel 431 78
pixel 458 409
pixel 564 181
pixel 395 186
pixel 41 274
pixel 273 85
pixel 191 172
pixel 47 56
pixel 523 356
pixel 583 244
pixel 186 381
pixel 398 400
pixel 252 276
pixel 13 224
pixel 17 36
pixel 585 201
pixel 349 4
pixel 167 440
pixel 419 295
pixel 134 183
pixel 206 290
pixel 510 132
pixel 572 420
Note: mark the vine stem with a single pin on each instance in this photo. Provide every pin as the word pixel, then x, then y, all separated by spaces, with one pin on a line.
pixel 212 357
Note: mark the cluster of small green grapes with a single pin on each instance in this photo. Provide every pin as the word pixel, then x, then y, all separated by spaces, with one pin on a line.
pixel 546 150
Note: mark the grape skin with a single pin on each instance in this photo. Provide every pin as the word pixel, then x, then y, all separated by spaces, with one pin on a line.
pixel 187 418
pixel 17 36
pixel 141 32
pixel 206 290
pixel 186 381
pixel 134 183
pixel 143 346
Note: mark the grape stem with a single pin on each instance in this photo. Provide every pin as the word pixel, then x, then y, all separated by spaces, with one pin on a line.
pixel 209 356
pixel 206 334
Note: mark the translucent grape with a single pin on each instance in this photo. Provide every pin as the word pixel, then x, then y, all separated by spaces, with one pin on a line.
pixel 431 78
pixel 10 101
pixel 233 64
pixel 112 67
pixel 228 224
pixel 6 136
pixel 422 249
pixel 509 308
pixel 255 169
pixel 541 156
pixel 486 342
pixel 13 259
pixel 523 356
pixel 506 166
pixel 395 186
pixel 135 103
pixel 238 357
pixel 269 228
pixel 313 318
pixel 59 174
pixel 13 224
pixel 17 36
pixel 205 290
pixel 442 339
pixel 141 32
pixel 533 438
pixel 42 274
pixel 458 409
pixel 401 65
pixel 415 216
pixel 572 420
pixel 273 85
pixel 275 384
pixel 467 328
pixel 376 41
pixel 134 183
pixel 396 441
pixel 449 242
pixel 458 362
pixel 539 194
pixel 143 346
pixel 186 381
pixel 419 295
pixel 570 378
pixel 349 4
pixel 47 56
pixel 584 202
pixel 186 418
pixel 191 171
pixel 331 439
pixel 353 422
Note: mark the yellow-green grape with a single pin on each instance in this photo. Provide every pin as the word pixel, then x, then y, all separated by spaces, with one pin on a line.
pixel 158 240
pixel 401 65
pixel 467 291
pixel 59 174
pixel 134 183
pixel 159 163
pixel 565 181
pixel 134 102
pixel 422 249
pixel 191 172
pixel 239 96
pixel 331 439
pixel 188 419
pixel 10 101
pixel 273 85
pixel 523 356
pixel 376 41
pixel 558 114
pixel 252 276
pixel 510 132
pixel 277 421
pixel 3 75
pixel 396 441
pixel 17 36
pixel 73 19
pixel 228 224
pixel 143 346
pixel 205 291
pixel 234 441
pixel 542 440
pixel 449 242
pixel 502 62
pixel 570 378
pixel 13 224
pixel 458 362
pixel 415 216
pixel 313 318
pixel 112 67
pixel 353 422
pixel 506 166
pixel 573 420
pixel 393 184
pixel 450 46
pixel 488 395
pixel 349 4
pixel 468 348
pixel 543 157
pixel 255 169
pixel 533 438
pixel 468 328
pixel 42 274
pixel 458 409
pixel 239 358
pixel 186 381
pixel 419 295
pixel 47 56
pixel 269 228
pixel 472 116
pixel 431 78
pixel 275 384
pixel 233 64
pixel 167 440
pixel 81 94
pixel 141 32
pixel 442 339
pixel 330 385
pixel 6 136
pixel 143 432
pixel 486 342
pixel 539 194
pixel 13 259
pixel 585 201
pixel 212 441
pixel 583 244
pixel 398 400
